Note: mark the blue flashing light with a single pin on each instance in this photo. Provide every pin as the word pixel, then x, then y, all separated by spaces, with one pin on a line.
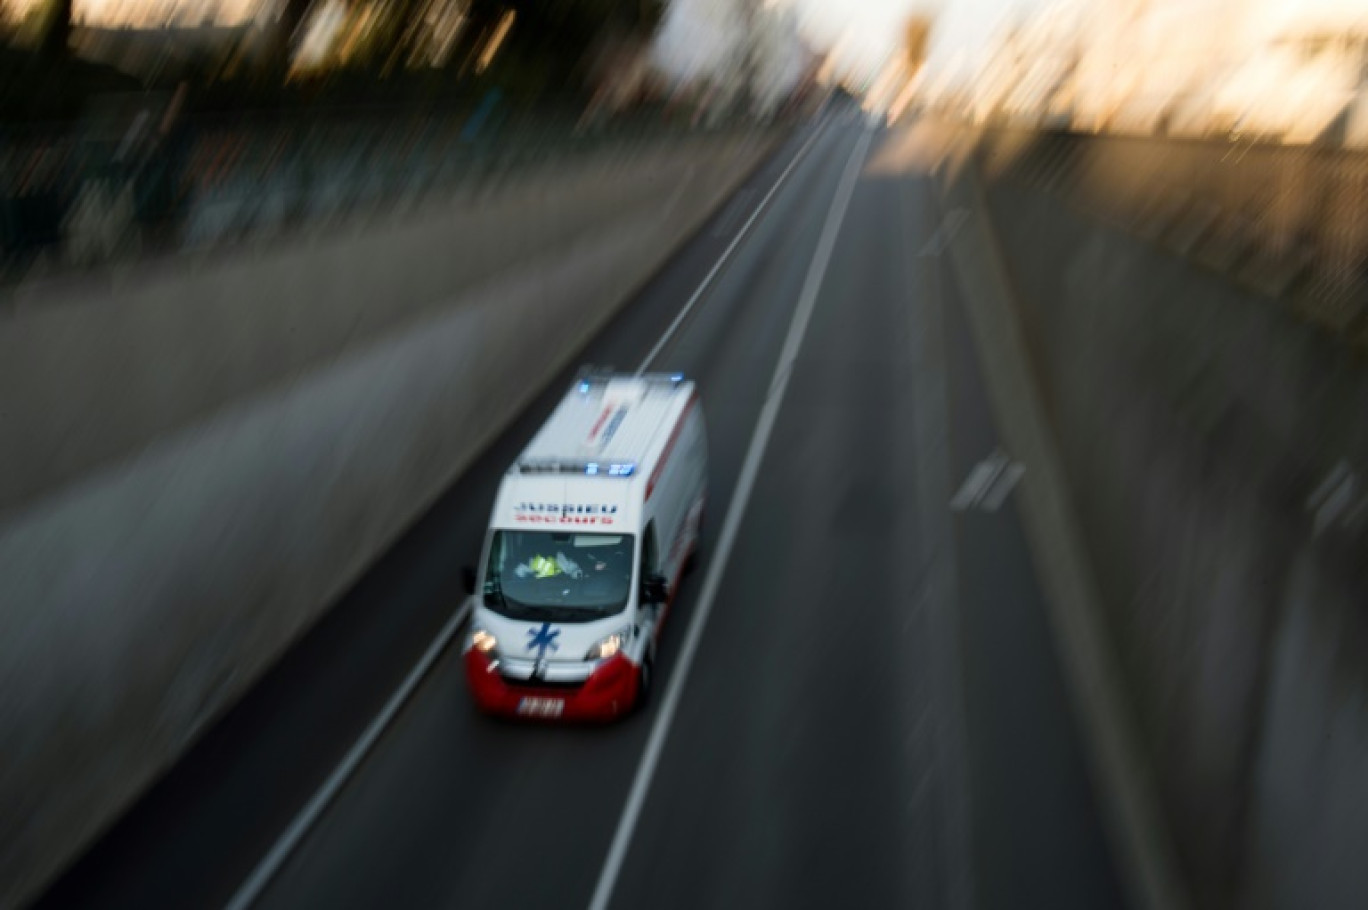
pixel 584 388
pixel 591 468
pixel 677 377
pixel 621 470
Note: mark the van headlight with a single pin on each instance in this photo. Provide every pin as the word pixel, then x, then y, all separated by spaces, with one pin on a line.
pixel 483 642
pixel 610 646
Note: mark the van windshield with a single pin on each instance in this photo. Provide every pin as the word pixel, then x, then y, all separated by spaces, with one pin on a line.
pixel 561 577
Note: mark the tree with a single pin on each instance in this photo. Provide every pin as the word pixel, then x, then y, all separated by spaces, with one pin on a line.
pixel 284 35
pixel 292 16
pixel 398 26
pixel 54 34
pixel 545 49
pixel 550 37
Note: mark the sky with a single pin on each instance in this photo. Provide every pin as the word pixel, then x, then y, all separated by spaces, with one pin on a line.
pixel 865 32
pixel 874 26
pixel 869 30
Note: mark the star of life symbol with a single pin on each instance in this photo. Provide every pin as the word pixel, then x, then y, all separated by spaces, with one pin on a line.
pixel 543 640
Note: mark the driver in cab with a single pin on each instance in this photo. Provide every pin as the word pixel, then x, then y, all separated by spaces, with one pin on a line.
pixel 542 566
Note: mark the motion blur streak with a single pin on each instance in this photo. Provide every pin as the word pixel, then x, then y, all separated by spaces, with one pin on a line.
pixel 267 271
pixel 1036 571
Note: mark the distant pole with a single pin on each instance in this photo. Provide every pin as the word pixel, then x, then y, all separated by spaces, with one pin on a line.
pixel 750 53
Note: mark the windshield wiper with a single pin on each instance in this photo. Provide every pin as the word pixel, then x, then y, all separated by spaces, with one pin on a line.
pixel 563 614
pixel 574 614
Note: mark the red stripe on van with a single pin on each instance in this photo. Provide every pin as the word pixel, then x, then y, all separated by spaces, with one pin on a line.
pixel 598 424
pixel 669 446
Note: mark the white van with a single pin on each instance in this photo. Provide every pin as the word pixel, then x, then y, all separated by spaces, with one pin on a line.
pixel 593 527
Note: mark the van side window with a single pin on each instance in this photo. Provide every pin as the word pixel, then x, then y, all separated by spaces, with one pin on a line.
pixel 650 555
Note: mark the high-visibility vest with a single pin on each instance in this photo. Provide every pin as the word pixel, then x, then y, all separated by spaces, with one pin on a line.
pixel 544 567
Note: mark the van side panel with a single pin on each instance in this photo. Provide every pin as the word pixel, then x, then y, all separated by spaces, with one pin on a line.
pixel 689 476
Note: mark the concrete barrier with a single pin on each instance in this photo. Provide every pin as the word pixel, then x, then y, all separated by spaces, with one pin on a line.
pixel 1284 221
pixel 91 370
pixel 1215 448
pixel 146 587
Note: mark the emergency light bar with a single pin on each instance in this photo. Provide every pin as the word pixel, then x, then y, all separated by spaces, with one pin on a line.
pixel 591 468
pixel 614 470
pixel 589 379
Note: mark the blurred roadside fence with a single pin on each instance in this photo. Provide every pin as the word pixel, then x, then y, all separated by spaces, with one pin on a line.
pixel 1289 222
pixel 77 196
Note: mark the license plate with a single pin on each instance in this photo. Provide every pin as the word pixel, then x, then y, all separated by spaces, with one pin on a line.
pixel 541 707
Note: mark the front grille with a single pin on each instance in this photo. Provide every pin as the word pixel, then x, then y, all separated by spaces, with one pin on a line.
pixel 543 684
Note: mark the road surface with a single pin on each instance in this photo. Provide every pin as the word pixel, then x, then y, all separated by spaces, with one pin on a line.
pixel 874 714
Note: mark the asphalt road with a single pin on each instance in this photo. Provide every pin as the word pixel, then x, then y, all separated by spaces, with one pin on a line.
pixel 874 716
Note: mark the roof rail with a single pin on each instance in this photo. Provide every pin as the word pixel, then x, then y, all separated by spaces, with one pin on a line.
pixel 590 376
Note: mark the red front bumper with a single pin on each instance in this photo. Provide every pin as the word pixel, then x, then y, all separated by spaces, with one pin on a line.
pixel 609 692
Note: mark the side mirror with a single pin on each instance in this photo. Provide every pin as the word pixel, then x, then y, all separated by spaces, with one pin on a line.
pixel 468 579
pixel 655 589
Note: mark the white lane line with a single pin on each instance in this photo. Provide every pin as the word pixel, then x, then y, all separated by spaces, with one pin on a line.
pixel 251 889
pixel 726 254
pixel 1006 483
pixel 978 481
pixel 622 838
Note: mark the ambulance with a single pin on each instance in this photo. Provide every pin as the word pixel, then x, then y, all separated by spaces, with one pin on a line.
pixel 593 527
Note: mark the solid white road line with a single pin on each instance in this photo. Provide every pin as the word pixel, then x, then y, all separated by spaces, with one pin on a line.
pixel 622 838
pixel 251 889
pixel 726 254
pixel 261 876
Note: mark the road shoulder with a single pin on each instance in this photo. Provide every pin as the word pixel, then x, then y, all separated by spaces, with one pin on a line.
pixel 1143 845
